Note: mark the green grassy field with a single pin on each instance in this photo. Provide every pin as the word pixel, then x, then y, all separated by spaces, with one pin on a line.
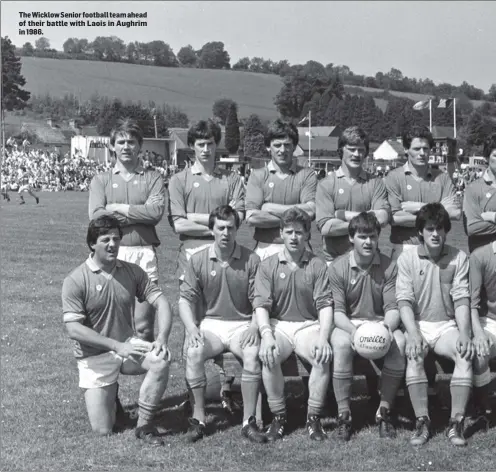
pixel 43 421
pixel 193 90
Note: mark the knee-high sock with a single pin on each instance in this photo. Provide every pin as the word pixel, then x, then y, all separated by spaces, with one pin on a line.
pixel 250 388
pixel 274 386
pixel 341 383
pixel 197 388
pixel 390 383
pixel 317 386
pixel 151 392
pixel 418 390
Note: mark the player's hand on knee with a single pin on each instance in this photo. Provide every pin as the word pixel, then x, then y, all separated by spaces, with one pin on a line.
pixel 415 346
pixel 464 347
pixel 137 347
pixel 322 352
pixel 249 337
pixel 268 350
pixel 159 348
pixel 195 337
pixel 482 344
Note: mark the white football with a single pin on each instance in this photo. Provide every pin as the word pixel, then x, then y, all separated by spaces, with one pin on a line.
pixel 372 340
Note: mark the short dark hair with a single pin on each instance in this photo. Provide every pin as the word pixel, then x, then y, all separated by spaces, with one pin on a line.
pixel 296 215
pixel 364 222
pixel 223 212
pixel 279 129
pixel 489 145
pixel 204 129
pixel 101 226
pixel 434 212
pixel 353 135
pixel 420 132
pixel 126 126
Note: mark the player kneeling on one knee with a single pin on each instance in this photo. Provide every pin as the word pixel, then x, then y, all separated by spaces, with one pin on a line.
pixel 98 300
pixel 221 278
pixel 293 308
pixel 432 290
pixel 363 283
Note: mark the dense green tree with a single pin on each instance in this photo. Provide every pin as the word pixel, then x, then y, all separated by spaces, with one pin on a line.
pixel 27 49
pixel 212 55
pixel 242 64
pixel 14 97
pixel 232 138
pixel 187 56
pixel 221 109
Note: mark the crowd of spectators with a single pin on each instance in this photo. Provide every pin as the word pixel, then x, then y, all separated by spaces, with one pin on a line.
pixel 52 172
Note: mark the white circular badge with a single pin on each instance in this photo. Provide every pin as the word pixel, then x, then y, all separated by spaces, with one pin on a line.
pixel 341 190
pixel 488 195
pixel 114 185
pixel 283 275
pixel 196 184
pixel 271 184
pixel 353 281
pixel 409 187
pixel 99 287
pixel 213 273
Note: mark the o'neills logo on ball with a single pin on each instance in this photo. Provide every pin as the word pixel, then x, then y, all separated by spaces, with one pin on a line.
pixel 373 339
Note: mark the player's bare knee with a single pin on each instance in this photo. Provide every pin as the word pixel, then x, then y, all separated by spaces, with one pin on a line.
pixel 251 361
pixel 159 366
pixel 195 355
pixel 480 364
pixel 102 431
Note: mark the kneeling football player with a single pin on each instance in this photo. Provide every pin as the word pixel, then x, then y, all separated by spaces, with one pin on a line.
pixel 98 299
pixel 432 291
pixel 293 309
pixel 363 284
pixel 222 277
pixel 483 300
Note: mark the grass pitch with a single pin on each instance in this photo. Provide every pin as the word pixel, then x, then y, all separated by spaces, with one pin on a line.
pixel 43 421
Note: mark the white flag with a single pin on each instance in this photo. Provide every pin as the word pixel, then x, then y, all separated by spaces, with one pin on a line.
pixel 303 120
pixel 421 105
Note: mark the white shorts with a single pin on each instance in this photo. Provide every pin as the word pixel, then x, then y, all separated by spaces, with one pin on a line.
pixel 24 188
pixel 292 330
pixel 194 249
pixel 488 325
pixel 103 369
pixel 223 329
pixel 144 256
pixel 432 330
pixel 264 250
pixel 99 371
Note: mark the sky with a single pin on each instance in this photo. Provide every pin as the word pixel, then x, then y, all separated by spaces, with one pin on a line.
pixel 448 41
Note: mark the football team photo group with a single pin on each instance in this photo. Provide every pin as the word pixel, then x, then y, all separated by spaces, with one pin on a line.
pixel 223 251
pixel 266 303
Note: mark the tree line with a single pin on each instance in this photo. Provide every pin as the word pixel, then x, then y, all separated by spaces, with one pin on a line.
pixel 212 55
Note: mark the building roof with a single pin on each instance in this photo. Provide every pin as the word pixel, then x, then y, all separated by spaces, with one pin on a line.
pixel 89 131
pixel 180 136
pixel 443 132
pixel 321 131
pixel 320 143
pixel 389 149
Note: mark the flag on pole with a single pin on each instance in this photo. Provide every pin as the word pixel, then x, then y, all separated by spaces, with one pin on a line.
pixel 421 105
pixel 304 120
pixel 445 102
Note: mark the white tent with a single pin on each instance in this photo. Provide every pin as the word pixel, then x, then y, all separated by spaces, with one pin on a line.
pixel 389 151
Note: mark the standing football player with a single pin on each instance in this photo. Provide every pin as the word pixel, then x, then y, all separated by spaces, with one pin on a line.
pixel 193 194
pixel 347 192
pixel 411 186
pixel 479 202
pixel 222 277
pixel 279 186
pixel 293 309
pixel 136 197
pixel 432 291
pixel 363 284
pixel 98 300
pixel 25 179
